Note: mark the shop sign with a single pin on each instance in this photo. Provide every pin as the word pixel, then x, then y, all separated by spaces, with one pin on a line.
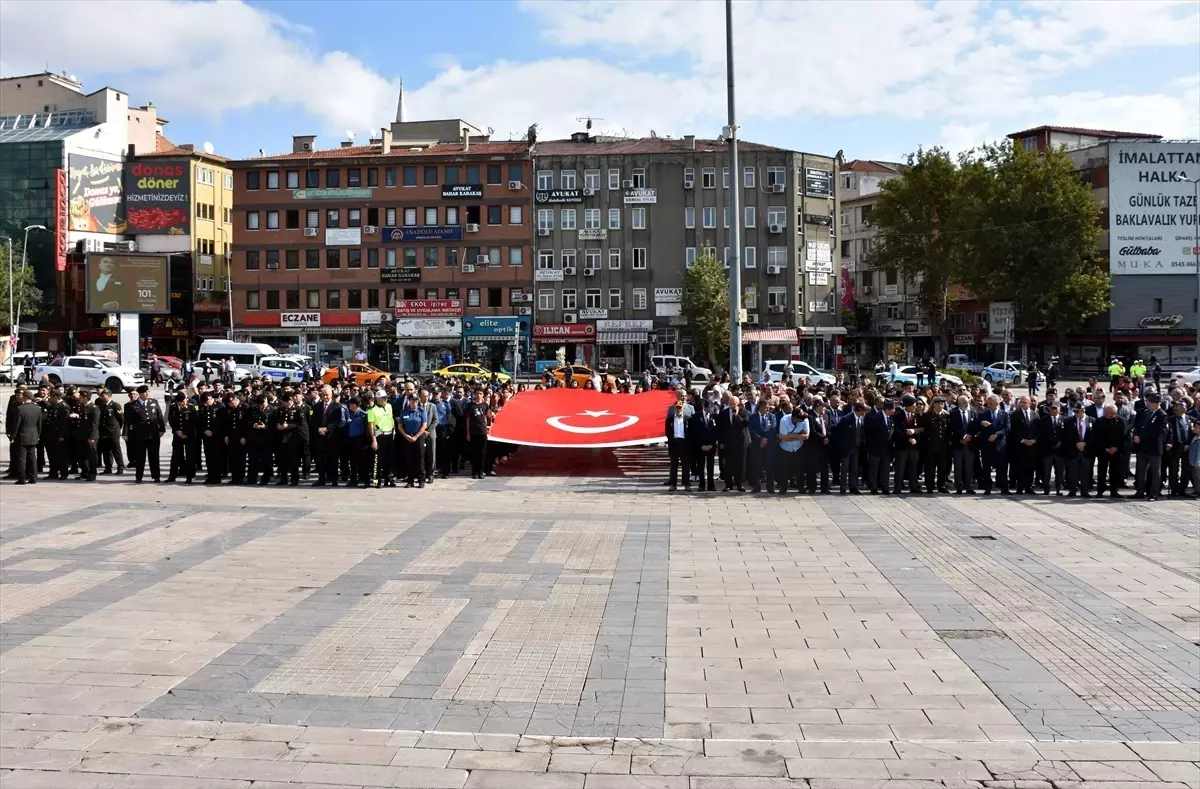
pixel 1161 322
pixel 641 196
pixel 429 308
pixel 592 313
pixel 818 183
pixel 824 220
pixel 462 192
pixel 424 233
pixel 666 310
pixel 450 328
pixel 351 193
pixel 815 279
pixel 343 237
pixel 170 326
pixel 501 327
pixel 399 275
pixel 668 295
pixel 158 196
pixel 1001 319
pixel 62 219
pixel 677 320
pixel 550 332
pixel 623 325
pixel 370 318
pixel 300 320
pixel 964 339
pixel 889 327
pixel 548 275
pixel 818 257
pixel 592 233
pixel 1152 207
pixel 558 196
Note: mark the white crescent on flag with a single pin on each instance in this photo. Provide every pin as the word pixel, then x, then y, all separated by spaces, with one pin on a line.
pixel 582 418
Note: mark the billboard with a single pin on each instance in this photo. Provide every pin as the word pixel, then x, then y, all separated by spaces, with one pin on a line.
pixel 1151 209
pixel 128 283
pixel 158 197
pixel 97 202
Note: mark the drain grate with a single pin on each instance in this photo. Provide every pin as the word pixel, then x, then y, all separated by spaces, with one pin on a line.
pixel 982 537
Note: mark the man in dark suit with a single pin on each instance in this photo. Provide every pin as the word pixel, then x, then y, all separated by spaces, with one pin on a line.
pixel 85 432
pixel 112 419
pixel 702 436
pixel 760 456
pixel 25 434
pixel 1023 445
pixel 878 425
pixel 733 441
pixel 818 448
pixel 904 446
pixel 144 427
pixel 677 429
pixel 1149 441
pixel 962 418
pixel 1175 463
pixel 1105 442
pixel 991 429
pixel 849 441
pixel 1049 449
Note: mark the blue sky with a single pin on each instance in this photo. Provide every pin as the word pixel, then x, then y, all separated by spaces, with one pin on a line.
pixel 875 79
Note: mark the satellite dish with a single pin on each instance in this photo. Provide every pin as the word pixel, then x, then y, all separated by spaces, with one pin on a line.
pixel 208 147
pixel 350 135
pixel 491 131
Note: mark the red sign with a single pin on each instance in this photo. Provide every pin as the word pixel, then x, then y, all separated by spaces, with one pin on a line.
pixel 582 418
pixel 554 332
pixel 429 308
pixel 62 219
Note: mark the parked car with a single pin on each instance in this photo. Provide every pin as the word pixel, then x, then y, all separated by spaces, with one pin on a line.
pixel 361 373
pixel 581 374
pixel 209 371
pixel 960 361
pixel 91 371
pixel 1003 372
pixel 908 375
pixel 281 369
pixel 1191 376
pixel 777 367
pixel 672 363
pixel 471 372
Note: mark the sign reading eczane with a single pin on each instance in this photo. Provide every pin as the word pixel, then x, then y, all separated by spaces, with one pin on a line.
pixel 1151 209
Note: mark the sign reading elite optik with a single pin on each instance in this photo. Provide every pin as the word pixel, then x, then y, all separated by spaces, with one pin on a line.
pixel 1152 208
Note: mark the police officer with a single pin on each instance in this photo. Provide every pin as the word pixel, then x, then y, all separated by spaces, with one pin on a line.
pixel 292 424
pixel 935 432
pixel 445 431
pixel 357 447
pixel 210 419
pixel 233 430
pixel 259 441
pixel 144 427
pixel 430 440
pixel 382 430
pixel 181 416
pixel 85 432
pixel 57 435
pixel 111 422
pixel 413 427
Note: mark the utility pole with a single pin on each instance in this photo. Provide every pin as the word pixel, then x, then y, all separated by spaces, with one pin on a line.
pixel 735 265
pixel 1195 182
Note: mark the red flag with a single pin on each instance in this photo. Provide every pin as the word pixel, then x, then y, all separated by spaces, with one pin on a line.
pixel 583 418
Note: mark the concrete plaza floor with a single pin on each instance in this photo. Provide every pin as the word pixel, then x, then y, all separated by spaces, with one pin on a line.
pixel 559 628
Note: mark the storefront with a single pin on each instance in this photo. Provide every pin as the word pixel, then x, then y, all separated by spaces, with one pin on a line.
pixel 622 344
pixel 821 346
pixel 428 331
pixel 763 345
pixel 577 341
pixel 498 343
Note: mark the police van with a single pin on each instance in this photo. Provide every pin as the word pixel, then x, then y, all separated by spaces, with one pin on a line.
pixel 281 369
pixel 247 355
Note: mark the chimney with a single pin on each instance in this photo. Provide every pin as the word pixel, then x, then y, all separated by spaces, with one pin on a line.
pixel 466 137
pixel 385 140
pixel 347 143
pixel 304 143
pixel 690 141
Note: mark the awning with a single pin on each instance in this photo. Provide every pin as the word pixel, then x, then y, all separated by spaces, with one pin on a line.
pixel 429 342
pixel 818 331
pixel 774 336
pixel 622 338
pixel 310 332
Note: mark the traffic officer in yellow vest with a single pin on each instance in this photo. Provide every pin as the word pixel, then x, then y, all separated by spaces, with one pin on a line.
pixel 382 427
pixel 1115 371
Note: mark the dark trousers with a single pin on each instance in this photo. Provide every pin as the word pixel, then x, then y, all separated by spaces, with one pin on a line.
pixel 848 471
pixel 937 468
pixel 1056 464
pixel 760 463
pixel 141 450
pixel 476 452
pixel 181 461
pixel 1108 471
pixel 1024 460
pixel 734 464
pixel 381 470
pixel 459 453
pixel 964 468
pixel 703 462
pixel 291 452
pixel 816 464
pixel 907 462
pixel 994 460
pixel 445 453
pixel 85 453
pixel 414 459
pixel 1175 470
pixel 1148 475
pixel 360 457
pixel 24 462
pixel 214 458
pixel 110 450
pixel 680 460
pixel 260 460
pixel 237 461
pixel 195 454
pixel 788 470
pixel 429 450
pixel 879 469
pixel 58 453
pixel 326 453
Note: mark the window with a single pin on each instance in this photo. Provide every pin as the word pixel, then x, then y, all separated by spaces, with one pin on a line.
pixel 333 218
pixel 545 180
pixel 373 217
pixel 494 298
pixel 724 177
pixel 567 216
pixel 353 176
pixel 390 299
pixel 777 256
pixel 981 321
pixel 293 179
pixel 708 178
pixel 333 258
pixel 545 259
pixel 846 249
pixel 431 216
pixel 591 218
pixel 410 217
pixel 709 252
pixel 390 258
pixel 865 215
pixel 614 298
pixel 372 258
pixel 473 174
pixel 614 219
pixel 291 219
pixel 776 176
pixel 251 259
pixel 272 179
pixel 639 177
pixel 637 218
pixel 292 299
pixel 956 321
pixel 494 174
pixel 430 257
pixel 494 214
pixel 614 179
pixel 614 258
pixel 689 217
pixel 892 277
pixel 591 298
pixel 410 176
pixel 252 299
pixel 354 299
pixel 776 297
pixel 389 217
pixel 312 258
pixel 776 215
pixel 591 179
pixel 451 257
pixel 333 299
pixel 751 216
pixel 725 257
pixel 569 299
pixel 354 217
pixel 725 217
pixel 639 258
pixel 514 215
pixel 750 256
pixel 252 179
pixel 710 217
pixel 568 258
pixel 639 298
pixel 545 299
pixel 372 176
pixel 591 259
pixel 451 215
pixel 291 259
pixel 567 179
pixel 472 297
pixel 451 177
pixel 545 218
pixel 516 296
pixel 452 293
pixel 1158 306
pixel 1029 144
pixel 431 178
pixel 273 259
pixel 410 258
pixel 844 219
pixel 689 177
pixel 272 299
pixel 353 258
pixel 228 180
pixel 389 177
pixel 750 298
pixel 515 256
pixel 373 299
pixel 252 220
pixel 493 256
pixel 689 256
pixel 313 299
pixel 431 293
pixel 333 178
pixel 516 172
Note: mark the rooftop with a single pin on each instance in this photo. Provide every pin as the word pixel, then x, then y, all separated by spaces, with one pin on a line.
pixel 398 151
pixel 871 166
pixel 1087 132
pixel 644 145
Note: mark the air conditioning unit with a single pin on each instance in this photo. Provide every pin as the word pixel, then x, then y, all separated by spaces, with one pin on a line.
pixel 529 297
pixel 482 260
pixel 868 290
pixel 468 268
pixel 866 223
pixel 752 318
pixel 89 245
pixel 370 230
pixel 570 317
pixel 775 229
pixel 568 271
pixel 778 188
pixel 472 228
pixel 119 246
pixel 689 184
pixel 543 232
pixel 777 309
pixel 310 232
pixel 589 272
pixel 774 269
pixel 524 310
pixel 589 192
pixel 514 185
pixel 627 184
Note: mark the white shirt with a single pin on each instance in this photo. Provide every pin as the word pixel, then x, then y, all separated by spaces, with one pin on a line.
pixel 102 280
pixel 679 426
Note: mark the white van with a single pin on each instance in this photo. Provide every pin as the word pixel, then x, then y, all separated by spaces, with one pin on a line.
pixel 281 369
pixel 246 354
pixel 671 363
pixel 777 367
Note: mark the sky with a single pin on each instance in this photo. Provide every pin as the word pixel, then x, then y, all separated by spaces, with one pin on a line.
pixel 876 80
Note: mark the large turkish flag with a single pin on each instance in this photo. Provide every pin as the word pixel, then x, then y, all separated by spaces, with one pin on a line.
pixel 582 418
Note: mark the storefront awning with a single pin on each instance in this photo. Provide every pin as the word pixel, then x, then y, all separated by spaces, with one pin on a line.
pixel 429 342
pixel 622 338
pixel 311 332
pixel 774 336
pixel 821 331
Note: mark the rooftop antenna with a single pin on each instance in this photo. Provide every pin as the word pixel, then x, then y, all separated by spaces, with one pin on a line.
pixel 400 103
pixel 491 131
pixel 261 152
pixel 350 135
pixel 208 147
pixel 589 120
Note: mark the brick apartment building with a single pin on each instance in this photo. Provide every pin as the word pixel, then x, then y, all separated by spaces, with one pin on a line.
pixel 431 218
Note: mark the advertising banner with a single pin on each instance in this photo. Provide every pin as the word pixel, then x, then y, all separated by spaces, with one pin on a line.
pixel 429 308
pixel 578 418
pixel 97 197
pixel 62 219
pixel 158 197
pixel 343 236
pixel 423 233
pixel 503 327
pixel 448 328
pixel 120 283
pixel 556 332
pixel 1151 209
pixel 818 183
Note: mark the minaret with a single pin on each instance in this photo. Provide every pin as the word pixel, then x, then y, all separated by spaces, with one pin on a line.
pixel 400 103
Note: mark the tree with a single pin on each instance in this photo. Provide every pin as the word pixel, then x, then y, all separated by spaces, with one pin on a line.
pixel 706 305
pixel 26 294
pixel 921 217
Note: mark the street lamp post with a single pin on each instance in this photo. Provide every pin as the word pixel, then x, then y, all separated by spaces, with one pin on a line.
pixel 24 257
pixel 1195 182
pixel 11 325
pixel 735 271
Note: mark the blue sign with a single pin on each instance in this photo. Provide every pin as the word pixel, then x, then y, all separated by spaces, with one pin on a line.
pixel 542 366
pixel 500 327
pixel 424 233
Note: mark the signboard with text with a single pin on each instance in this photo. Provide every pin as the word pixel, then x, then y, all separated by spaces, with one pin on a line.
pixel 817 182
pixel 399 275
pixel 462 192
pixel 300 320
pixel 558 196
pixel 555 332
pixel 634 196
pixel 428 308
pixel 97 194
pixel 423 233
pixel 122 283
pixel 1151 209
pixel 158 197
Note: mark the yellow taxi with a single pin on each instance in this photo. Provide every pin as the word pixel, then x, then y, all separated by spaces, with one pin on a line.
pixel 471 372
pixel 360 373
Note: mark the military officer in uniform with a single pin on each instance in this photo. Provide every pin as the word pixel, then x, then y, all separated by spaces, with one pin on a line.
pixel 112 421
pixel 57 435
pixel 209 420
pixel 291 424
pixel 259 441
pixel 144 427
pixel 935 432
pixel 85 432
pixel 233 430
pixel 182 417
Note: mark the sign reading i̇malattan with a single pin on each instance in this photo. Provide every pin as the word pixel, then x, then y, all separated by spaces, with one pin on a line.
pixel 1151 209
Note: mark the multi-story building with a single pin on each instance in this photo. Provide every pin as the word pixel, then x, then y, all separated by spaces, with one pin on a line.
pixel 618 221
pixel 1149 218
pixel 426 225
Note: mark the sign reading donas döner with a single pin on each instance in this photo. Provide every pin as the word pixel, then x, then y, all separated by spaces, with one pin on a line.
pixel 128 283
pixel 158 197
pixel 1152 211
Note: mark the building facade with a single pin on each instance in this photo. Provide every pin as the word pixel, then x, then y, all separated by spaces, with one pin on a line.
pixel 618 221
pixel 333 249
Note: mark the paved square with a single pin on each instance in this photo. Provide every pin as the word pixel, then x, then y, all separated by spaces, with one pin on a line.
pixel 592 631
